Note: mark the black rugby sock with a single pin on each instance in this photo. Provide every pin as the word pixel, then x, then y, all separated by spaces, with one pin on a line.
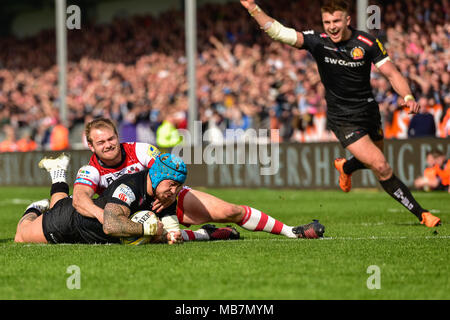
pixel 400 192
pixel 353 164
pixel 59 187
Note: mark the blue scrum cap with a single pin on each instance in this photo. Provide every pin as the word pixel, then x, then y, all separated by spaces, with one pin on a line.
pixel 167 167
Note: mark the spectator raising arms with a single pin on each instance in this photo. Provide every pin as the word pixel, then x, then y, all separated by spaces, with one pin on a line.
pixel 133 71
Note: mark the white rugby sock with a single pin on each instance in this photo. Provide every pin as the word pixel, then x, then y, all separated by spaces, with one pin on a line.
pixel 255 220
pixel 58 175
pixel 189 235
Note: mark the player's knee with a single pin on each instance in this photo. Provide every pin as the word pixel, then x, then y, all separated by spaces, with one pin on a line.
pixel 233 213
pixel 382 169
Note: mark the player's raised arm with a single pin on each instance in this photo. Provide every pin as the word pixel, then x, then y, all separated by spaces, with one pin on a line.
pixel 272 27
pixel 399 84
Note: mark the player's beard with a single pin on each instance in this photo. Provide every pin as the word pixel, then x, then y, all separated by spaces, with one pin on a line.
pixel 111 154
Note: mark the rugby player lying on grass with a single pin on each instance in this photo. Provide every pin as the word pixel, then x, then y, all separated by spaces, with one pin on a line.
pixel 128 194
pixel 112 159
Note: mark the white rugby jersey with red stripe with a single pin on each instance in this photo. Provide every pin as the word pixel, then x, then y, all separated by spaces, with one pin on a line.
pixel 136 157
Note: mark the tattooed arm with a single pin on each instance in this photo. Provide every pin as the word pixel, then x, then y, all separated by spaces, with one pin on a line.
pixel 117 224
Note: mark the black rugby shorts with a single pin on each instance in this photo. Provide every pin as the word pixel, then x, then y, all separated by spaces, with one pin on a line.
pixel 58 224
pixel 348 134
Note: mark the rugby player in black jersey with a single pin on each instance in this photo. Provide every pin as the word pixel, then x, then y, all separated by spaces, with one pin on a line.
pixel 129 194
pixel 194 207
pixel 344 58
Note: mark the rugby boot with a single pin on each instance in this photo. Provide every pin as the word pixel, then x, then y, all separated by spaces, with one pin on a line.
pixel 429 220
pixel 42 206
pixel 57 168
pixel 50 164
pixel 345 180
pixel 223 233
pixel 311 230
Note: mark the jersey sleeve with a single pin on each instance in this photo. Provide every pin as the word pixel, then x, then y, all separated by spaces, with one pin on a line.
pixel 88 176
pixel 123 194
pixel 378 53
pixel 146 153
pixel 311 39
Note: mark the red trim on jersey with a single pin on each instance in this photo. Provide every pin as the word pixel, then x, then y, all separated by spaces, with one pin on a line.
pixel 130 161
pixel 365 40
pixel 262 222
pixel 180 206
pixel 130 158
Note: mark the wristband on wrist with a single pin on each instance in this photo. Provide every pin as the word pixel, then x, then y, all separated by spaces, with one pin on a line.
pixel 148 230
pixel 170 223
pixel 150 227
pixel 409 97
pixel 254 11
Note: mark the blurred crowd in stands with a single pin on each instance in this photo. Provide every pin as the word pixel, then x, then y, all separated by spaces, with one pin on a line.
pixel 133 71
pixel 436 175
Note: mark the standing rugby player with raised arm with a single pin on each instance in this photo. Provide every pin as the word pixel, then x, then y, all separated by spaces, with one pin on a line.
pixel 344 58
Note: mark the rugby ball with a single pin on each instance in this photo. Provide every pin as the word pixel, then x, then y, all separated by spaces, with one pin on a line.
pixel 138 217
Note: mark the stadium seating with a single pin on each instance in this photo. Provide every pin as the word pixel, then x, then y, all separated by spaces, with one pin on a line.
pixel 134 70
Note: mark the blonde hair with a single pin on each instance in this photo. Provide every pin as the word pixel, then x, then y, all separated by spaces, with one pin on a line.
pixel 99 124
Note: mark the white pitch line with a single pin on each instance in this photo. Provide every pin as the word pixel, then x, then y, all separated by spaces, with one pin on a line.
pixel 273 239
pixel 386 238
pixel 17 201
pixel 357 238
pixel 402 210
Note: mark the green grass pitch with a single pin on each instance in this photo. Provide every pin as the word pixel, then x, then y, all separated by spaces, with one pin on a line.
pixel 363 228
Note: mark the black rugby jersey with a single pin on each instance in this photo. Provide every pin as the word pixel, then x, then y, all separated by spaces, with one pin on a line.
pixel 90 229
pixel 131 191
pixel 344 69
pixel 63 224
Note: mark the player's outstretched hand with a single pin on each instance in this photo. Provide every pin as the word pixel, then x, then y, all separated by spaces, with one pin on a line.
pixel 248 4
pixel 170 237
pixel 413 106
pixel 174 237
